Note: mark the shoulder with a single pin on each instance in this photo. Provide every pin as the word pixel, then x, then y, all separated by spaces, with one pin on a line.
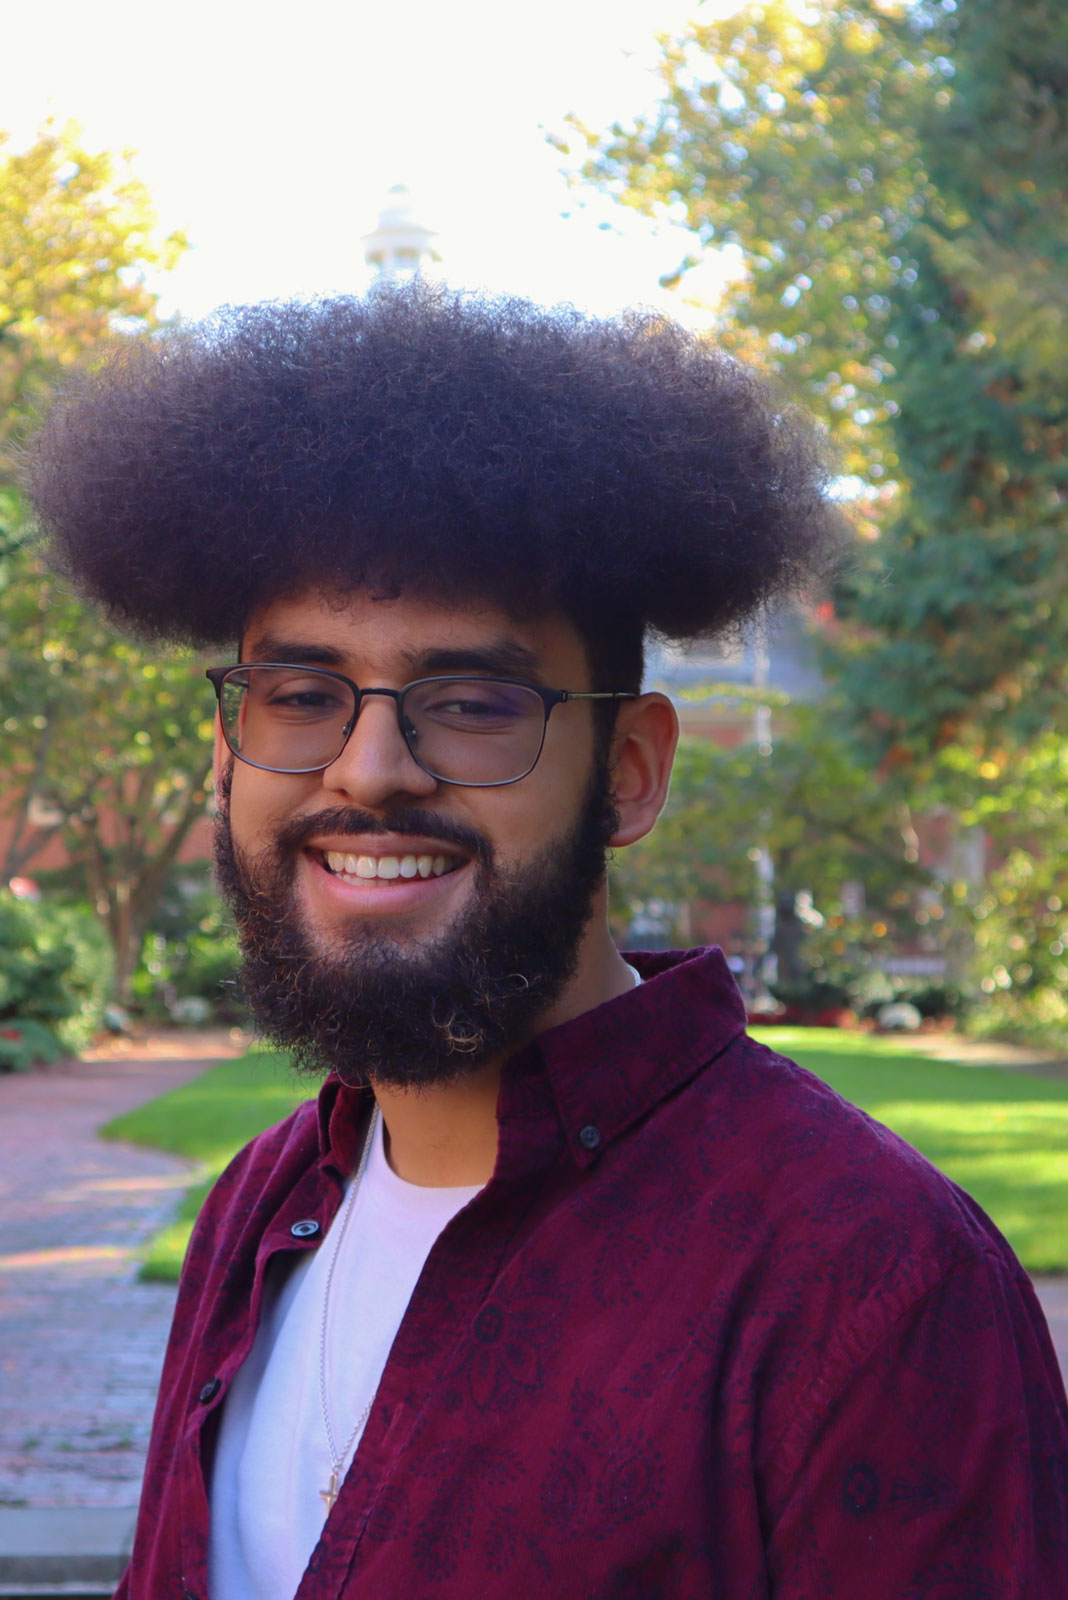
pixel 833 1249
pixel 833 1220
pixel 822 1162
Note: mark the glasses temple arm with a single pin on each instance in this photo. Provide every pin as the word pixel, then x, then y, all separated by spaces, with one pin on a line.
pixel 604 694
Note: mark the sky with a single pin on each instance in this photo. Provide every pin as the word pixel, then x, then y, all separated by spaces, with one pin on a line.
pixel 270 134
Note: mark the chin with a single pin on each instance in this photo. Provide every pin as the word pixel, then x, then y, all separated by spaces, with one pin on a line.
pixel 454 976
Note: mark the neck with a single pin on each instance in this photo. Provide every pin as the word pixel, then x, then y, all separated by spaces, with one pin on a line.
pixel 444 1137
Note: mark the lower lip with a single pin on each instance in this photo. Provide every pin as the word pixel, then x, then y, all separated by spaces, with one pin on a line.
pixel 380 896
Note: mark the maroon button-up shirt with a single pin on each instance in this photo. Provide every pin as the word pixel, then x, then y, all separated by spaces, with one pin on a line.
pixel 708 1332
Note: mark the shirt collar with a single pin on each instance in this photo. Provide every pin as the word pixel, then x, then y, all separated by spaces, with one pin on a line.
pixel 610 1066
pixel 601 1071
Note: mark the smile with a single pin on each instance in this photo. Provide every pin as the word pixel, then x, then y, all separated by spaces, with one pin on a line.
pixel 388 868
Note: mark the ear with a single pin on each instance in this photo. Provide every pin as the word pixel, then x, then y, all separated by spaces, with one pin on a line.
pixel 643 748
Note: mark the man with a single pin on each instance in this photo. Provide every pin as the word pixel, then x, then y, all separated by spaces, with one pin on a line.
pixel 564 1286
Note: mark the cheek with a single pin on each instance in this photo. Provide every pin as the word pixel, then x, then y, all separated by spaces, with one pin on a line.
pixel 261 801
pixel 543 807
pixel 566 767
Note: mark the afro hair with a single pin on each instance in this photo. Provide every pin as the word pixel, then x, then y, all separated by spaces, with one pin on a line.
pixel 624 471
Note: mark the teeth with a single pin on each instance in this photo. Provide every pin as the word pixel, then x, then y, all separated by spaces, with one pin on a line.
pixel 387 867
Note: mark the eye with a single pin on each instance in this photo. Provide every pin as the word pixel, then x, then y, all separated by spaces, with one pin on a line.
pixel 303 699
pixel 476 706
pixel 472 706
pixel 298 696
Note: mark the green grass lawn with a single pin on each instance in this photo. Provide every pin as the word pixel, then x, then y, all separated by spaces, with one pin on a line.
pixel 208 1120
pixel 1003 1136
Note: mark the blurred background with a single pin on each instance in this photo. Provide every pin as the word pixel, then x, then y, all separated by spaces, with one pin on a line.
pixel 867 201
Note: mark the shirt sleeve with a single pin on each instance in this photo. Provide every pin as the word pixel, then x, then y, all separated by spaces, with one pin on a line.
pixel 938 1469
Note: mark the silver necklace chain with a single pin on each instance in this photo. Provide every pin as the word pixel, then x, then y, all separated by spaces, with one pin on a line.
pixel 338 1459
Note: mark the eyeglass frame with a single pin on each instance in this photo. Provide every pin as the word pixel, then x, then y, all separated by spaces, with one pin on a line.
pixel 550 699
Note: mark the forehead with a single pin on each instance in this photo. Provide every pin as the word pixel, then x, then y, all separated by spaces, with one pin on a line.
pixel 408 636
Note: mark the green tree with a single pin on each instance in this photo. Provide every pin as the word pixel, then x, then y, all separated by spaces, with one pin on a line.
pixel 969 642
pixel 895 176
pixel 78 240
pixel 108 741
pixel 1019 913
pixel 95 733
pixel 793 135
pixel 821 815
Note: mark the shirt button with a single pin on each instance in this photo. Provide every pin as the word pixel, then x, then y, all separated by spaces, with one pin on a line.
pixel 306 1229
pixel 210 1390
pixel 589 1136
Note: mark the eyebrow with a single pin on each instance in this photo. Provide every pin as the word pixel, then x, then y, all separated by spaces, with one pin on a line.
pixel 295 652
pixel 502 658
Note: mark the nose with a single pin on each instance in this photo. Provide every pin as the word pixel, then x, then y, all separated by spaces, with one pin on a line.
pixel 376 764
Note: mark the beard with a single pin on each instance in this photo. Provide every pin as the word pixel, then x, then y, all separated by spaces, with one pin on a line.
pixel 374 1007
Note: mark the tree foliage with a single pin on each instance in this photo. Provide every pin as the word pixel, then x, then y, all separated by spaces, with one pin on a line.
pixel 1020 911
pixel 793 135
pixel 108 743
pixel 823 817
pixel 969 640
pixel 100 742
pixel 78 239
pixel 897 177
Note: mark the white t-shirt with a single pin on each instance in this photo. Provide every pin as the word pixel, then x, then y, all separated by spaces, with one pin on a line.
pixel 271 1458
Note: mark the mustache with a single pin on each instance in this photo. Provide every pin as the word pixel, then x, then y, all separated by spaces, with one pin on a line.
pixel 407 819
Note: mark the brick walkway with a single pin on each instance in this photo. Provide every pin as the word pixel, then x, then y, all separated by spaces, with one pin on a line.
pixel 80 1340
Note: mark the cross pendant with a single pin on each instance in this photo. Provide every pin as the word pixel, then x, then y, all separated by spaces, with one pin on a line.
pixel 328 1496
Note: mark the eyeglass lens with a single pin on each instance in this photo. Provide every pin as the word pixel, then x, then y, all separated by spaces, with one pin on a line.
pixel 462 730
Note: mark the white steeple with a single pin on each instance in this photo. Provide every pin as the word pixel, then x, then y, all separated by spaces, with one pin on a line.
pixel 401 246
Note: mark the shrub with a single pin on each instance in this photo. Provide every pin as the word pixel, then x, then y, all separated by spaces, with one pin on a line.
pixel 812 993
pixel 190 952
pixel 55 971
pixel 1038 1017
pixel 932 997
pixel 937 997
pixel 24 1044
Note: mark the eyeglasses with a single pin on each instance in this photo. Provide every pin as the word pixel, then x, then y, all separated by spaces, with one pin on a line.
pixel 479 732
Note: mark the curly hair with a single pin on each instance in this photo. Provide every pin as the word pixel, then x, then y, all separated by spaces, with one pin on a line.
pixel 624 471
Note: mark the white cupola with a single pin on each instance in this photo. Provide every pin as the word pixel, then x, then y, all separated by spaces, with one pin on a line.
pixel 400 246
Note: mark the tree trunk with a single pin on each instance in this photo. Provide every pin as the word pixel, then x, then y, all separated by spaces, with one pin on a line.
pixel 20 850
pixel 126 881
